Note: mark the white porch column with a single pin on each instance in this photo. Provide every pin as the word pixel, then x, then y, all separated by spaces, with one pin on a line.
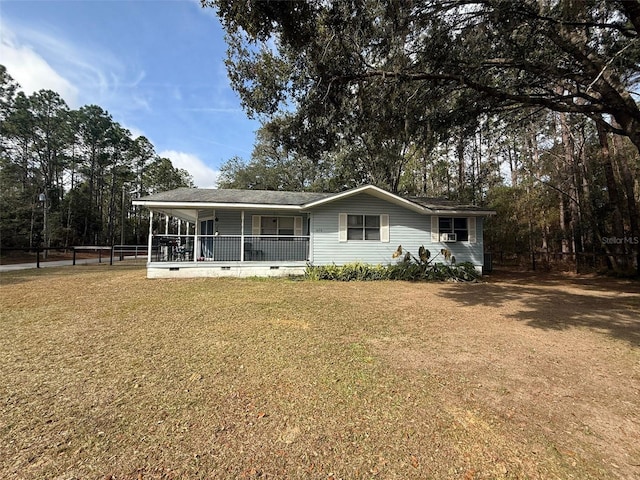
pixel 242 236
pixel 196 246
pixel 166 225
pixel 150 239
pixel 179 227
pixel 310 223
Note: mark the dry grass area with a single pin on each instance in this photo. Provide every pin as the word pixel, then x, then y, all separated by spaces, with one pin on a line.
pixel 107 375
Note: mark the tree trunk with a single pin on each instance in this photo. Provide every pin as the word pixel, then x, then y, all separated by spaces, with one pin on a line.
pixel 566 171
pixel 460 152
pixel 632 206
pixel 614 198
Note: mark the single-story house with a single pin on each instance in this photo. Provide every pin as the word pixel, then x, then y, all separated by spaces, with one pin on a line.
pixel 216 232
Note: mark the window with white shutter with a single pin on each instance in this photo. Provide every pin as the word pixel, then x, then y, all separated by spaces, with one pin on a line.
pixel 384 228
pixel 363 227
pixel 276 226
pixel 342 227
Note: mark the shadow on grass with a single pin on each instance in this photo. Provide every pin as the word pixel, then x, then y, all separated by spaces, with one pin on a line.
pixel 557 302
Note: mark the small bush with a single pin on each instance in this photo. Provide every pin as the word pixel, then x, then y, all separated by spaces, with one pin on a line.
pixel 410 271
pixel 345 273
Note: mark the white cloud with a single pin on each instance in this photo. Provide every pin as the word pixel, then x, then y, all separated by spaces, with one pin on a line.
pixel 81 73
pixel 32 71
pixel 203 175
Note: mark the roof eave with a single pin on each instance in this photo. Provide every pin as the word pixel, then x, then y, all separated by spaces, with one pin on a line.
pixel 466 213
pixel 194 205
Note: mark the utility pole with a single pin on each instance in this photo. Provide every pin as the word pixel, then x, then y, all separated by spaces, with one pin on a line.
pixel 42 198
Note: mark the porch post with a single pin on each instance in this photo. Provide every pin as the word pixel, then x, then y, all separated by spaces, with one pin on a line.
pixel 310 234
pixel 242 236
pixel 150 239
pixel 166 225
pixel 196 244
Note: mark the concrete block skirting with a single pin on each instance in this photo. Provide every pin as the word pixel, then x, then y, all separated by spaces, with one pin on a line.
pixel 231 269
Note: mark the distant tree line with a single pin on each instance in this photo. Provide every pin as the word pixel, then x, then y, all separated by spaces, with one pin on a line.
pixel 527 107
pixel 67 177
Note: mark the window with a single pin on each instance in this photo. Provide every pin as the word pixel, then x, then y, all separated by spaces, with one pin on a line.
pixel 363 227
pixel 283 226
pixel 455 225
pixel 276 226
pixel 206 227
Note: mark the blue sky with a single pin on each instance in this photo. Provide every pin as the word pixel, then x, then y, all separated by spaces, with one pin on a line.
pixel 157 66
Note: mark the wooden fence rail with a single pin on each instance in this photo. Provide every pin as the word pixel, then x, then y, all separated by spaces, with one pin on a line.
pixel 120 250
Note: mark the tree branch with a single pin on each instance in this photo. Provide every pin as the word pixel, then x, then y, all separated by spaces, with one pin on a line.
pixel 561 103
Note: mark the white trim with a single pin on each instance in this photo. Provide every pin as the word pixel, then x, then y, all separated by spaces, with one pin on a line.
pixel 150 239
pixel 471 227
pixel 435 229
pixel 342 227
pixel 196 243
pixel 384 228
pixel 311 236
pixel 242 235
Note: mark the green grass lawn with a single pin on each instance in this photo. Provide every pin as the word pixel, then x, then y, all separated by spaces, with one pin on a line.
pixel 105 374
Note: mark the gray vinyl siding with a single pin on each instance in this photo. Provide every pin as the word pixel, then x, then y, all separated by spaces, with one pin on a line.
pixel 230 221
pixel 406 228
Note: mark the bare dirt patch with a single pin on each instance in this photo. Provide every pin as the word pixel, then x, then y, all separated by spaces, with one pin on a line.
pixel 104 373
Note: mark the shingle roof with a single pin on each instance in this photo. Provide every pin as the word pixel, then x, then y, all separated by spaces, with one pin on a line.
pixel 254 197
pixel 298 199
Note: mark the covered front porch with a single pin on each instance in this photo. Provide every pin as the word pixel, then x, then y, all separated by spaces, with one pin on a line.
pixel 202 242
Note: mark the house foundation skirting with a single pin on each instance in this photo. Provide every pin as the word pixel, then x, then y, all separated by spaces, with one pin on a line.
pixel 224 269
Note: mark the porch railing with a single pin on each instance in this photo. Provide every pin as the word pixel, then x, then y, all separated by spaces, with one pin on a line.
pixel 230 248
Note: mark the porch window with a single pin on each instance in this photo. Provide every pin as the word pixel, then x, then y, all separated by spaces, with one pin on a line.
pixel 276 226
pixel 280 226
